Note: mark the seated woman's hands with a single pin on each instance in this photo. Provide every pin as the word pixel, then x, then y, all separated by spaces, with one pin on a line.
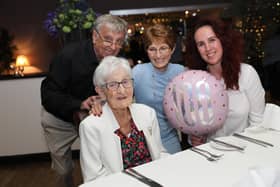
pixel 198 140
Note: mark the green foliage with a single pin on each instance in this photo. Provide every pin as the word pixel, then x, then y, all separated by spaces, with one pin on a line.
pixel 69 15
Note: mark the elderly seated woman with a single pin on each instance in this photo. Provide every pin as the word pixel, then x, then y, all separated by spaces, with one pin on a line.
pixel 126 134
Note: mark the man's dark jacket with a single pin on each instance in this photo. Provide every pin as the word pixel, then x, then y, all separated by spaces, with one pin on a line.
pixel 69 80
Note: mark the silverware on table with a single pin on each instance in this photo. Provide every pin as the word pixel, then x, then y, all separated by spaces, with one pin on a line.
pixel 253 140
pixel 271 129
pixel 208 152
pixel 227 144
pixel 142 178
pixel 208 157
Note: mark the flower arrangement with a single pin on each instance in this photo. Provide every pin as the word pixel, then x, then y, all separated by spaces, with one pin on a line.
pixel 68 16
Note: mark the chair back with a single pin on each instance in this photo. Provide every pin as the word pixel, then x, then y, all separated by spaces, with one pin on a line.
pixel 271 116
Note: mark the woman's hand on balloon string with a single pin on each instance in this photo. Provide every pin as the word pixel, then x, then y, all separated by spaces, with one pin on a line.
pixel 198 140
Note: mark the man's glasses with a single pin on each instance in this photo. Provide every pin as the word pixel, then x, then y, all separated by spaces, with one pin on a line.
pixel 161 50
pixel 109 43
pixel 114 85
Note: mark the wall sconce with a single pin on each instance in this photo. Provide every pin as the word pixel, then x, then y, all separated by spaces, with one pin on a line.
pixel 21 61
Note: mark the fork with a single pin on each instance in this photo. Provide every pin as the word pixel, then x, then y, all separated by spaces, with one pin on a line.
pixel 209 153
pixel 208 157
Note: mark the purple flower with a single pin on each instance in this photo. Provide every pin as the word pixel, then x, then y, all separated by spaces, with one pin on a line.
pixel 49 25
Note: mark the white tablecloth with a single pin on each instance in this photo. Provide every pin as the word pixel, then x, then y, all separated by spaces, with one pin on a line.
pixel 190 169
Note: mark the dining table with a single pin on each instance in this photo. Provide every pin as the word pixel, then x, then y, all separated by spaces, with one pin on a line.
pixel 189 169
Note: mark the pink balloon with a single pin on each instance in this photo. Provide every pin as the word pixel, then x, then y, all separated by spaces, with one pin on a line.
pixel 195 102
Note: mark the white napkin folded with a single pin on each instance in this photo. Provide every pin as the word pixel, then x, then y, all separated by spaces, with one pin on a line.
pixel 260 177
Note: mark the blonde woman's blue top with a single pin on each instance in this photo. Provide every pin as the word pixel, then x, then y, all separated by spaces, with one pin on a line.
pixel 149 87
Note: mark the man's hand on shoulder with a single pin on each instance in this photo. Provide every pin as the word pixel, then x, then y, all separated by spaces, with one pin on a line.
pixel 93 104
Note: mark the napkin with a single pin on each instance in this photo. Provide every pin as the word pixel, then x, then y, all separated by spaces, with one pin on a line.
pixel 260 177
pixel 271 116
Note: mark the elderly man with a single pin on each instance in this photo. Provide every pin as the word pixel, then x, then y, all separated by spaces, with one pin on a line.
pixel 68 88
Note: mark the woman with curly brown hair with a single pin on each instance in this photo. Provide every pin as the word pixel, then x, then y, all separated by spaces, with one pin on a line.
pixel 216 47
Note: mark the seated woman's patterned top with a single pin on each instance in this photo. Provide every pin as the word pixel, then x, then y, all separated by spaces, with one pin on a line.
pixel 134 147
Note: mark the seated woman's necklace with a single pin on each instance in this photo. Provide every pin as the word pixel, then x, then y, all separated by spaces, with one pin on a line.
pixel 124 123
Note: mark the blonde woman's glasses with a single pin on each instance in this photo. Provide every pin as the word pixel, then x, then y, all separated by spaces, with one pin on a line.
pixel 161 50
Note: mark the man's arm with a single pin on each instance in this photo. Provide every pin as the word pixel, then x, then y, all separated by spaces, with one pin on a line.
pixel 55 91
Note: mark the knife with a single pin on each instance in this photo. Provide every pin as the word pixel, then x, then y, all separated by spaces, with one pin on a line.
pixel 142 178
pixel 227 144
pixel 272 129
pixel 136 177
pixel 257 141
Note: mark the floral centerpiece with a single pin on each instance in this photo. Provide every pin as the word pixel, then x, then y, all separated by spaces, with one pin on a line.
pixel 69 16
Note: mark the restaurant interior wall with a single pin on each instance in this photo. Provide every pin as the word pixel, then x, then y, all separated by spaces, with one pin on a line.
pixel 24 20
